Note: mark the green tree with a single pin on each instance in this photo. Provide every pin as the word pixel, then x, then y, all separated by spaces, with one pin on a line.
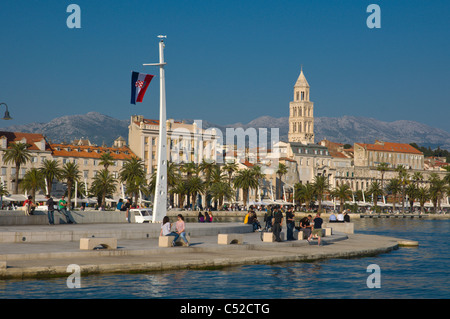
pixel 423 195
pixel 71 174
pixel 321 186
pixel 195 186
pixel 281 171
pixel 104 184
pixel 382 168
pixel 246 180
pixel 343 192
pixel 33 181
pixel 412 193
pixel 220 191
pixel 51 170
pixel 304 193
pixel 375 190
pixel 106 159
pixel 133 175
pixel 404 181
pixel 394 187
pixel 437 190
pixel 18 154
pixel 230 168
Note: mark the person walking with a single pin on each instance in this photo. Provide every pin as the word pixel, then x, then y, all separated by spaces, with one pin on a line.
pixel 290 223
pixel 277 221
pixel 50 210
pixel 317 229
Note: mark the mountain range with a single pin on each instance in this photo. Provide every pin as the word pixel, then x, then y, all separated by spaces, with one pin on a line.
pixel 102 129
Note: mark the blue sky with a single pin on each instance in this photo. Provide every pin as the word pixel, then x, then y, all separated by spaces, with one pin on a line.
pixel 228 61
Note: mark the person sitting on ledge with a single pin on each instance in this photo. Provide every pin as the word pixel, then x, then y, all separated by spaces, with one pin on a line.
pixel 333 217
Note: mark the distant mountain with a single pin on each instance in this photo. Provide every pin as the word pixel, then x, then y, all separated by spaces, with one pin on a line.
pixel 101 129
pixel 98 128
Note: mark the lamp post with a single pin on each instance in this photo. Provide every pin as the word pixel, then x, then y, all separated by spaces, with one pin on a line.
pixel 6 117
pixel 160 205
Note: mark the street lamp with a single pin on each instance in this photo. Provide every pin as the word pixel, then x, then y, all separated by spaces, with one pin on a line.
pixel 6 117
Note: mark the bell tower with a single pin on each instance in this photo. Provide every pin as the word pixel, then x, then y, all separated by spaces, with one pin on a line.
pixel 301 116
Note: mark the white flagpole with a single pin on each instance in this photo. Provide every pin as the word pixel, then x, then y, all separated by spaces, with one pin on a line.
pixel 160 205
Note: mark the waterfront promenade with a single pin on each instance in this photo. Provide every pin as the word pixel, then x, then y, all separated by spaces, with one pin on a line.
pixel 39 251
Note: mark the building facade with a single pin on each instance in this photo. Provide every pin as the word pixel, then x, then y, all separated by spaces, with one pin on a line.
pixel 38 147
pixel 185 142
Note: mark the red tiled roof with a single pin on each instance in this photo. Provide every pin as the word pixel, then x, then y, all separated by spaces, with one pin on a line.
pixel 31 139
pixel 66 150
pixel 390 147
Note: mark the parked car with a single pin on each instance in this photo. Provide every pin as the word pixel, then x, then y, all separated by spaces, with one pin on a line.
pixel 142 215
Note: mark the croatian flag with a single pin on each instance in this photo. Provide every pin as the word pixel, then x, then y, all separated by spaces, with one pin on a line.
pixel 139 84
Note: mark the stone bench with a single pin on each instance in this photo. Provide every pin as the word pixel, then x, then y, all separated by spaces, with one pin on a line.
pixel 92 242
pixel 228 239
pixel 270 237
pixel 166 241
pixel 299 235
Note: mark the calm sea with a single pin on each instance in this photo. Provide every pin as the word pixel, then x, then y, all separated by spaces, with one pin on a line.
pixel 413 273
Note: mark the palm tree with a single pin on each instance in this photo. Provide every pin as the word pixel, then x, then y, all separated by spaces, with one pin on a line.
pixel 437 190
pixel 18 154
pixel 190 169
pixel 394 187
pixel 246 180
pixel 106 160
pixel 411 191
pixel 404 180
pixel 207 168
pixel 103 184
pixel 51 170
pixel 220 191
pixel 423 195
pixel 343 192
pixel 304 193
pixel 173 177
pixel 417 177
pixel 321 186
pixel 3 192
pixel 195 186
pixel 181 189
pixel 259 175
pixel 133 175
pixel 382 168
pixel 71 174
pixel 375 190
pixel 230 168
pixel 282 170
pixel 32 181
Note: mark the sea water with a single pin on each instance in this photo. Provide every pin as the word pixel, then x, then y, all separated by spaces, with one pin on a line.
pixel 414 272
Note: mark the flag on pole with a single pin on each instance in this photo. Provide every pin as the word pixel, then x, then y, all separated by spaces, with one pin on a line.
pixel 139 84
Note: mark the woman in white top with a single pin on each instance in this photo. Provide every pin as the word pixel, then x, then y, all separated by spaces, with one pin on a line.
pixel 166 228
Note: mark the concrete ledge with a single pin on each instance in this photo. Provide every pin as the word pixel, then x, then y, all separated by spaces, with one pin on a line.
pixel 228 239
pixel 347 228
pixel 92 242
pixel 270 237
pixel 408 243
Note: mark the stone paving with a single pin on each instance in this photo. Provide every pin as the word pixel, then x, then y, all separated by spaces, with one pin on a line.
pixel 31 259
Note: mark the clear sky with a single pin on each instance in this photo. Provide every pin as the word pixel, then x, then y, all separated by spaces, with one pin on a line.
pixel 228 61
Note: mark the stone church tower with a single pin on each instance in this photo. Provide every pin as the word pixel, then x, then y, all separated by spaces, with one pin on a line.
pixel 301 117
